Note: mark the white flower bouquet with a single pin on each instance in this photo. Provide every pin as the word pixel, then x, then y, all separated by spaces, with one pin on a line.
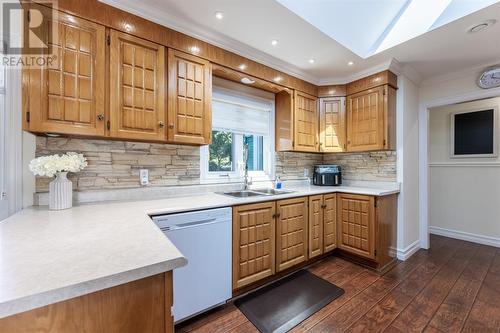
pixel 61 188
pixel 49 166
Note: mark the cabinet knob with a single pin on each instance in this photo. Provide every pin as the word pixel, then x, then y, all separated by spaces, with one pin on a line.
pixel 171 125
pixel 100 117
pixel 161 124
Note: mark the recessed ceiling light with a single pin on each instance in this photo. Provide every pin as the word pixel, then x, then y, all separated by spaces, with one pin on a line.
pixel 274 42
pixel 194 49
pixel 242 67
pixel 311 61
pixel 246 80
pixel 481 26
pixel 219 15
pixel 350 63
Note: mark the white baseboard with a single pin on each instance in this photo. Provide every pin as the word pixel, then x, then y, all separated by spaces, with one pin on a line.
pixel 466 236
pixel 408 251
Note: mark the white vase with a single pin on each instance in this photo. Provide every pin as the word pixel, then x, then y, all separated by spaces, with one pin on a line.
pixel 60 192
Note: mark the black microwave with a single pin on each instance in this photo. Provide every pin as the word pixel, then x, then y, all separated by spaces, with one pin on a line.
pixel 327 175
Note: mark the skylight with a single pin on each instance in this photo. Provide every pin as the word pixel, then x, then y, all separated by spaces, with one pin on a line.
pixel 368 27
pixel 416 19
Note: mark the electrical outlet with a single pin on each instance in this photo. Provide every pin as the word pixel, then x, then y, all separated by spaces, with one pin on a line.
pixel 144 177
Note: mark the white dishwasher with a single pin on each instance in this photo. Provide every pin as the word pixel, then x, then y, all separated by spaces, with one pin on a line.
pixel 204 238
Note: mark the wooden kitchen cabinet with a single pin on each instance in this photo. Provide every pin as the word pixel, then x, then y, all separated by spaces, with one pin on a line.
pixel 316 226
pixel 137 88
pixel 356 224
pixel 296 122
pixel 332 125
pixel 322 224
pixel 367 228
pixel 268 238
pixel 189 99
pixel 329 222
pixel 67 95
pixel 139 306
pixel 284 136
pixel 371 113
pixel 305 122
pixel 254 232
pixel 291 231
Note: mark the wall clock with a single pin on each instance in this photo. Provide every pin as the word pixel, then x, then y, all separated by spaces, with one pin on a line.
pixel 490 78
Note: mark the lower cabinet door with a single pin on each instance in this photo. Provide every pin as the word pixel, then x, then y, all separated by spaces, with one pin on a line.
pixel 291 230
pixel 253 243
pixel 315 225
pixel 329 222
pixel 356 224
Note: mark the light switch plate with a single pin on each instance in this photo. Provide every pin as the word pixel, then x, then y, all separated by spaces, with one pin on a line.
pixel 144 177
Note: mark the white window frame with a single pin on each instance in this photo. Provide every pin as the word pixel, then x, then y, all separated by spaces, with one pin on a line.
pixel 11 144
pixel 237 175
pixel 4 202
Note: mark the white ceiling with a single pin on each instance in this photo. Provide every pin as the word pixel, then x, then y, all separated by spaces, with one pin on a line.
pixel 395 22
pixel 249 26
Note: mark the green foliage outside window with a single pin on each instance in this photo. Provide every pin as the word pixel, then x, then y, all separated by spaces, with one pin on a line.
pixel 220 151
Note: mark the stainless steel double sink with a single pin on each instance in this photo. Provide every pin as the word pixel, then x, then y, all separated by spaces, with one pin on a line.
pixel 255 193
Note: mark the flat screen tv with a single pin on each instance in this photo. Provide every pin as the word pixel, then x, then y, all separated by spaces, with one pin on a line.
pixel 474 133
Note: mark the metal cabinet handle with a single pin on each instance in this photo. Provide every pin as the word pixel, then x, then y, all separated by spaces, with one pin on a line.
pixel 100 117
pixel 161 124
pixel 171 125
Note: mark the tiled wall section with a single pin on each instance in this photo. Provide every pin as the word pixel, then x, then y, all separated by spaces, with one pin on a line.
pixel 116 164
pixel 291 166
pixel 375 166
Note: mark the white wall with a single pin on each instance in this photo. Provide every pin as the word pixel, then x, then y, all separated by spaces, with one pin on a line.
pixel 464 192
pixel 440 91
pixel 407 146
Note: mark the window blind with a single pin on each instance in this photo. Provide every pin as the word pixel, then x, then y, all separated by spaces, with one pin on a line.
pixel 240 114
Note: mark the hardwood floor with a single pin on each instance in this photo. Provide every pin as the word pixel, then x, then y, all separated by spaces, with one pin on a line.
pixel 453 287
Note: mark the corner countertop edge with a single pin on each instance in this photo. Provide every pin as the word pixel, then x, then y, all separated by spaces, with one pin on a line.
pixel 32 302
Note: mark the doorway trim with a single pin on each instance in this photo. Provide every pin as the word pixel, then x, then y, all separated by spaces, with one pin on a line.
pixel 423 151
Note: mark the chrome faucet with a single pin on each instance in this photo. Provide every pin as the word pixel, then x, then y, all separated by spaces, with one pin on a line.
pixel 245 160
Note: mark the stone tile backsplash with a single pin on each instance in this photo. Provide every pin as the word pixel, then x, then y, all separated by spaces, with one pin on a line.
pixel 373 166
pixel 116 164
pixel 290 165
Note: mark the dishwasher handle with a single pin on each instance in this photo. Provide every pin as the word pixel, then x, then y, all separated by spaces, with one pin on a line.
pixel 188 225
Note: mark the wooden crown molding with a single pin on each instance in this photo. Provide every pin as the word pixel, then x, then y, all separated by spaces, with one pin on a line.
pixel 123 21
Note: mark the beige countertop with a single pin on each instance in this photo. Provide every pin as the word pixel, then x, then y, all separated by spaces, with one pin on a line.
pixel 51 256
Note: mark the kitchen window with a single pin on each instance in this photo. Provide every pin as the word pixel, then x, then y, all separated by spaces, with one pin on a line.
pixel 239 119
